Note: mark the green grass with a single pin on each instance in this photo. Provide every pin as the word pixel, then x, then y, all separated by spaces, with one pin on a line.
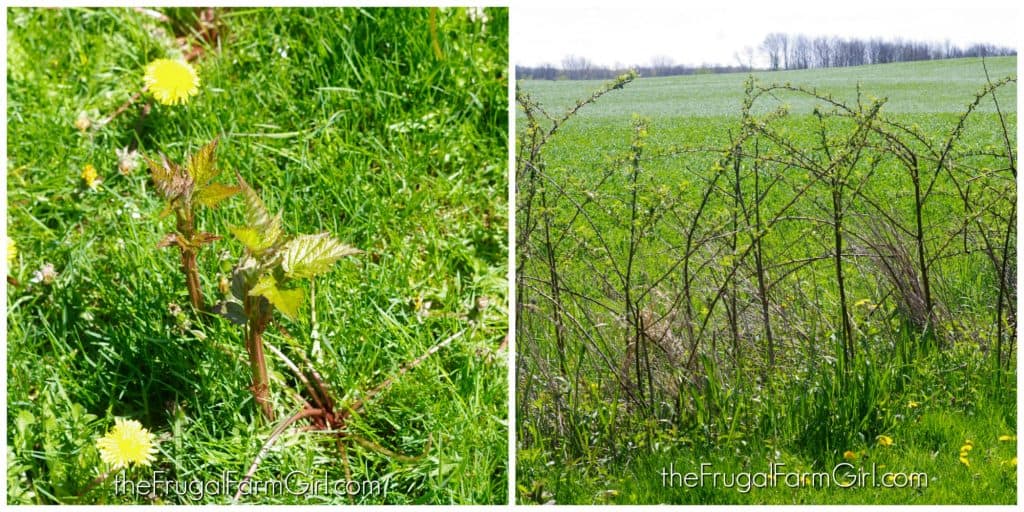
pixel 368 124
pixel 913 87
pixel 581 440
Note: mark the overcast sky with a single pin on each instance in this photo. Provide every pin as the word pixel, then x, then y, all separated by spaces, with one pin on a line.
pixel 633 32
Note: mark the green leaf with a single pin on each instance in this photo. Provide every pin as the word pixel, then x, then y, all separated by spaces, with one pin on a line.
pixel 25 420
pixel 309 255
pixel 258 218
pixel 159 170
pixel 251 238
pixel 202 166
pixel 214 193
pixel 286 300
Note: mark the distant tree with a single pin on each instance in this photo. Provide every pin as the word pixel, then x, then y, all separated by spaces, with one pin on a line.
pixel 661 65
pixel 745 58
pixel 576 68
pixel 822 52
pixel 782 51
pixel 799 52
pixel 774 47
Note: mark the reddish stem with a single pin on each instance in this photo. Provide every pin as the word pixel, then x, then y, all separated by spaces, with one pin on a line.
pixel 257 324
pixel 190 267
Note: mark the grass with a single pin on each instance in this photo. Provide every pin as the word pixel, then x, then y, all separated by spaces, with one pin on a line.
pixel 941 86
pixel 582 440
pixel 384 127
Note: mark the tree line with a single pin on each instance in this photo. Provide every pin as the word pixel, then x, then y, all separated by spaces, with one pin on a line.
pixel 780 51
pixel 786 51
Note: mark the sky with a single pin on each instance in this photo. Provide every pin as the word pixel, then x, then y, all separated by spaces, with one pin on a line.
pixel 634 32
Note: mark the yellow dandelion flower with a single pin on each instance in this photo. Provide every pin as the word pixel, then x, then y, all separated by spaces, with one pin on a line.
pixel 127 443
pixel 12 252
pixel 964 461
pixel 884 441
pixel 1007 438
pixel 849 455
pixel 170 81
pixel 912 404
pixel 90 176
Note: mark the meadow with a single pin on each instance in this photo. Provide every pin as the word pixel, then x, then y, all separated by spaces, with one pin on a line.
pixel 386 129
pixel 805 280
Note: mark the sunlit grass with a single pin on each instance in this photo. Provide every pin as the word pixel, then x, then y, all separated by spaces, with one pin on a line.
pixel 348 121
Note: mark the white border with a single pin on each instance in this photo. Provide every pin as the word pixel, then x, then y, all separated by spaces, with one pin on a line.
pixel 512 446
pixel 862 4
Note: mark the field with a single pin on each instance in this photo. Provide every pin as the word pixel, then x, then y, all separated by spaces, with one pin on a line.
pixel 805 280
pixel 385 129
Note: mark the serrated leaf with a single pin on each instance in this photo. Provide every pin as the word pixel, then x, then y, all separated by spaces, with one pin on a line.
pixel 251 238
pixel 161 174
pixel 257 216
pixel 202 166
pixel 212 194
pixel 288 301
pixel 169 178
pixel 310 255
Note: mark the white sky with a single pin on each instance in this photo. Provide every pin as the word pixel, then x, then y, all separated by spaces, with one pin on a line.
pixel 632 32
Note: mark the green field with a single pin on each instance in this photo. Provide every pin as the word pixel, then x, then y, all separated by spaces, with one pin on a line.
pixel 915 88
pixel 813 269
pixel 386 128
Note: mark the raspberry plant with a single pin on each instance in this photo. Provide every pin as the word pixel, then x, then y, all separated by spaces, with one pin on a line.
pixel 185 188
pixel 264 279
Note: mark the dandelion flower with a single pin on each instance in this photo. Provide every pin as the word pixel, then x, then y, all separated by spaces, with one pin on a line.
pixel 964 461
pixel 884 441
pixel 90 177
pixel 849 455
pixel 45 275
pixel 170 81
pixel 12 252
pixel 966 448
pixel 1007 438
pixel 912 404
pixel 127 443
pixel 127 161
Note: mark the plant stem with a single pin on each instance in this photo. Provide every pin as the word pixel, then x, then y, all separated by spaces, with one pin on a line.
pixel 190 267
pixel 189 263
pixel 257 359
